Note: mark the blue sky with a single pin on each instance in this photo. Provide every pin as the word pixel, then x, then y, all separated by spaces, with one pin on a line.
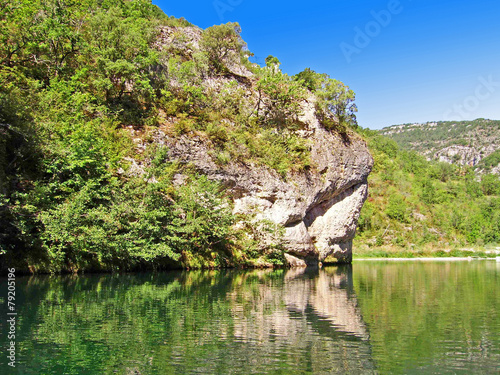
pixel 406 60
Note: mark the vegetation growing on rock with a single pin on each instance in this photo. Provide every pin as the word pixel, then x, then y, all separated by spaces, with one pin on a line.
pixel 78 78
pixel 473 143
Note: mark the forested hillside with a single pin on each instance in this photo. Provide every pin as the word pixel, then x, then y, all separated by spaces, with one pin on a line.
pixel 473 143
pixel 86 86
pixel 418 207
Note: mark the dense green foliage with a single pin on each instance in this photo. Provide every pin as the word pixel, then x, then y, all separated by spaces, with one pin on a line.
pixel 415 205
pixel 223 46
pixel 490 161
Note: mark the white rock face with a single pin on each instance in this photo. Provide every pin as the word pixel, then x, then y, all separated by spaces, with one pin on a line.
pixel 332 224
pixel 463 155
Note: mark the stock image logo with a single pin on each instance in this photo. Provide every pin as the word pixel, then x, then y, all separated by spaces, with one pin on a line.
pixel 223 6
pixel 470 104
pixel 363 36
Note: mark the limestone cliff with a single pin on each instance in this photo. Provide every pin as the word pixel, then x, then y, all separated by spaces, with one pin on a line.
pixel 318 208
pixel 154 144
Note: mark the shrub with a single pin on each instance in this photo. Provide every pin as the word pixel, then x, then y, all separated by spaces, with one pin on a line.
pixel 490 184
pixel 311 80
pixel 217 133
pixel 335 106
pixel 279 99
pixel 396 208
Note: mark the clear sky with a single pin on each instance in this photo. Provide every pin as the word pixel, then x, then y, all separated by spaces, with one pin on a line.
pixel 406 60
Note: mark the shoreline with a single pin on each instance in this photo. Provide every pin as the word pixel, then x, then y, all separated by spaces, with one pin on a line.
pixel 425 259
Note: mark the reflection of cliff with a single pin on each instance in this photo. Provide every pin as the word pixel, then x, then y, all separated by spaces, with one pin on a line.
pixel 330 296
pixel 212 322
pixel 310 312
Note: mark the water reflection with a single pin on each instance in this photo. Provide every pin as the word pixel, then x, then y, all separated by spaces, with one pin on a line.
pixel 311 313
pixel 259 321
pixel 329 295
pixel 441 317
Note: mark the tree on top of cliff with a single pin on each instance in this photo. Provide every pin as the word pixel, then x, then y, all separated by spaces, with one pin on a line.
pixel 223 46
pixel 310 79
pixel 279 96
pixel 336 103
pixel 335 107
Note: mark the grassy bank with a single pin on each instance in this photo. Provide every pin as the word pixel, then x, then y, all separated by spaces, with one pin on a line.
pixel 424 252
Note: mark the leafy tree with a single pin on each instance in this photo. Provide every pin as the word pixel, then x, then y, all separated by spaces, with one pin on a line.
pixel 336 105
pixel 273 63
pixel 203 218
pixel 119 52
pixel 279 98
pixel 472 187
pixel 428 194
pixel 223 46
pixel 42 37
pixel 412 162
pixel 442 171
pixel 490 184
pixel 310 79
pixel 385 145
pixel 396 208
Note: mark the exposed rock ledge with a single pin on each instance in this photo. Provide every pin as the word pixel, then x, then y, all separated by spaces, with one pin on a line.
pixel 319 208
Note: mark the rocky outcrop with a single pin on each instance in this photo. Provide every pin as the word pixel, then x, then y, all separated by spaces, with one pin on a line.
pixel 318 208
pixel 463 155
pixel 453 142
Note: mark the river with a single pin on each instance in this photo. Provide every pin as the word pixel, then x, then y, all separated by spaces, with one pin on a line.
pixel 369 318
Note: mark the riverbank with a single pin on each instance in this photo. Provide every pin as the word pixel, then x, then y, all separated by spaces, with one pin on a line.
pixel 425 253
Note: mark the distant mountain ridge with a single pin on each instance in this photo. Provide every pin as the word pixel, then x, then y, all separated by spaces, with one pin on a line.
pixel 474 143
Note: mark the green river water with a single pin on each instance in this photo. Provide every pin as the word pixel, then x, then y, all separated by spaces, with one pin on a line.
pixel 374 317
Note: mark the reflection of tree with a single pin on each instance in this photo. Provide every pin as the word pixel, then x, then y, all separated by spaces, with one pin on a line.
pixel 256 321
pixel 432 316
